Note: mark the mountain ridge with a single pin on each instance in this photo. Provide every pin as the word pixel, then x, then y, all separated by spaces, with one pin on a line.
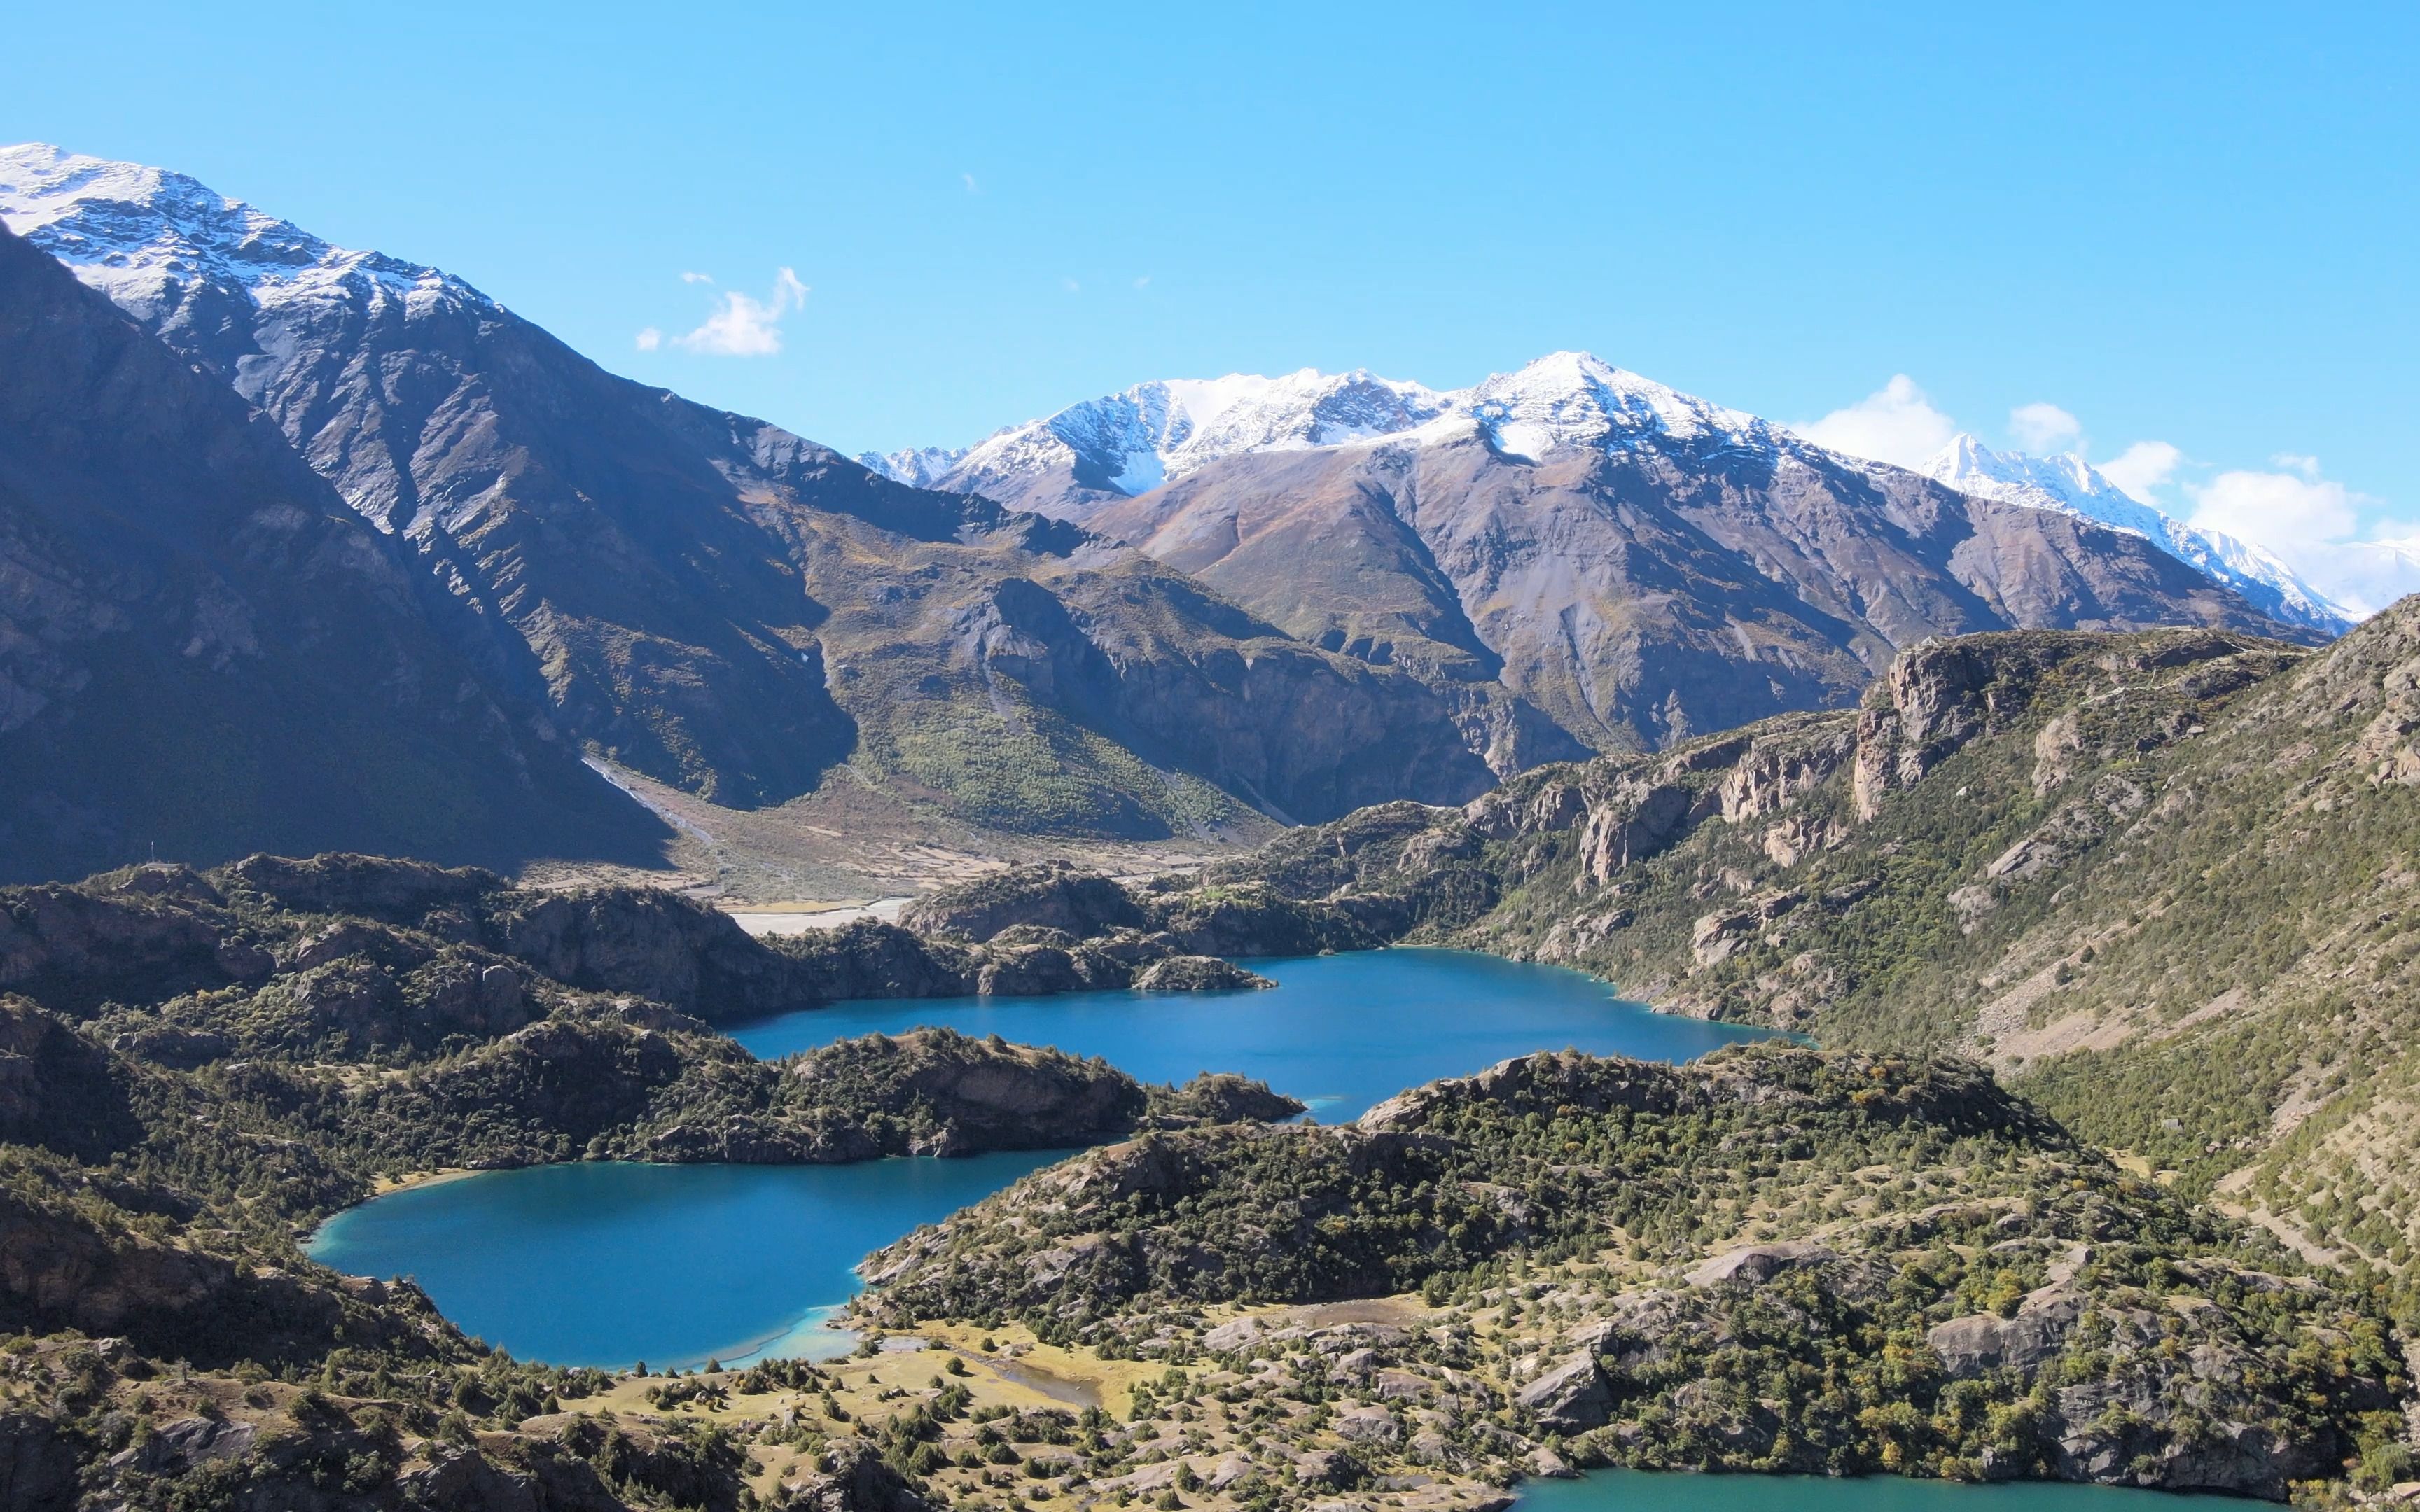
pixel 1628 563
pixel 2069 484
pixel 181 586
pixel 1159 432
pixel 717 604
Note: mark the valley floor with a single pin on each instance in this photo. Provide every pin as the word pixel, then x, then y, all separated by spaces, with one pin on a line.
pixel 851 841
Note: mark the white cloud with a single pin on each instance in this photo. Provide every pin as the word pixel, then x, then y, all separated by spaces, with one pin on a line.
pixel 1894 424
pixel 2042 429
pixel 697 278
pixel 742 325
pixel 2281 511
pixel 2315 524
pixel 650 339
pixel 969 180
pixel 1144 282
pixel 1071 285
pixel 2141 467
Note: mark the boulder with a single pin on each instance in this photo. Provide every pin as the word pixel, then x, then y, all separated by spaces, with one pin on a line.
pixel 1573 1397
pixel 1754 1265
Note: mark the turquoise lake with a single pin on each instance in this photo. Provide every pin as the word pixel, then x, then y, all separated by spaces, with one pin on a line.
pixel 1339 1031
pixel 1628 1490
pixel 605 1264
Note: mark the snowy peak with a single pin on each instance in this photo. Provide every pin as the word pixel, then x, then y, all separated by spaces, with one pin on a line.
pixel 1156 433
pixel 2070 484
pixel 146 237
pixel 1575 399
pixel 1132 441
pixel 2066 482
pixel 919 467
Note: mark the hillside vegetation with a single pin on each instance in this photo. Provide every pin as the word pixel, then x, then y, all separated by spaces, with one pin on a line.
pixel 2162 882
pixel 195 1068
pixel 1775 1259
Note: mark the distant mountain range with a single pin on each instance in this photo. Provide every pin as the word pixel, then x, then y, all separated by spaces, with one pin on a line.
pixel 1125 444
pixel 714 602
pixel 1632 563
pixel 1346 589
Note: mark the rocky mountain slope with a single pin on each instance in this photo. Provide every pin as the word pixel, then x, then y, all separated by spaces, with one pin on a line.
pixel 2160 880
pixel 717 604
pixel 1582 559
pixel 2069 484
pixel 1774 1259
pixel 203 650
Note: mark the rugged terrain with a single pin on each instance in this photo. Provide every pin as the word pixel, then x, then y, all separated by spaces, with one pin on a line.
pixel 1578 560
pixel 1581 558
pixel 197 1067
pixel 2161 881
pixel 1776 1259
pixel 202 649
pixel 713 602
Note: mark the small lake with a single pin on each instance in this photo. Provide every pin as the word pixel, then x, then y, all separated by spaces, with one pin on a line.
pixel 607 1263
pixel 1631 1491
pixel 1340 1032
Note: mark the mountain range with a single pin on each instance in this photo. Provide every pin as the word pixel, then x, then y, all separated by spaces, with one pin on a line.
pixel 713 602
pixel 1127 444
pixel 1631 562
pixel 1152 615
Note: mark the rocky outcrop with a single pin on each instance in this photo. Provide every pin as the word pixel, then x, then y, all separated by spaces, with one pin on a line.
pixel 1571 1398
pixel 37 1463
pixel 58 1090
pixel 1222 1097
pixel 964 1095
pixel 1197 974
pixel 1634 824
pixel 853 1479
pixel 1051 897
pixel 929 1092
pixel 1942 694
pixel 655 944
pixel 61 1270
pixel 1982 1342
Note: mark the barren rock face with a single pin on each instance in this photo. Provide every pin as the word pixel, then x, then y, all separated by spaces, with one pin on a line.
pixel 1633 597
pixel 203 648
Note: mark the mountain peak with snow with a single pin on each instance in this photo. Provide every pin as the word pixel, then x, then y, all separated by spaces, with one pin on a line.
pixel 1156 433
pixel 2070 484
pixel 147 236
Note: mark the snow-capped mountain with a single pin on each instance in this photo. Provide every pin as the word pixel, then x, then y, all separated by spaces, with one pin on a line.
pixel 919 467
pixel 146 237
pixel 1084 458
pixel 1128 443
pixel 2070 483
pixel 1433 584
pixel 652 576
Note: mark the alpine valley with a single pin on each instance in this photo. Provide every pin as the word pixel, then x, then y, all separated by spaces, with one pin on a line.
pixel 400 714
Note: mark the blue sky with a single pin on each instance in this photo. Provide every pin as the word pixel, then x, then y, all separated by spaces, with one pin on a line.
pixel 2192 227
